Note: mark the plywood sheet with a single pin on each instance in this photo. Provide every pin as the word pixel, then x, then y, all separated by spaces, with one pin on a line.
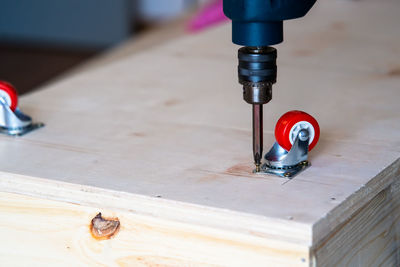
pixel 170 123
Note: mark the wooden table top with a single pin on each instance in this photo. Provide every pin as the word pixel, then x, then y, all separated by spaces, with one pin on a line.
pixel 169 124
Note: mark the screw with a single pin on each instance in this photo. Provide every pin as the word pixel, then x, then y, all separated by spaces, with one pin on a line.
pixel 303 135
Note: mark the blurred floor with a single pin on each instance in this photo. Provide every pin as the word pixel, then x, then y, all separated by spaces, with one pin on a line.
pixel 29 67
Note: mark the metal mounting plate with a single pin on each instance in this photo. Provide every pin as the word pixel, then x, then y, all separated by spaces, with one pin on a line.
pixel 21 131
pixel 286 164
pixel 285 173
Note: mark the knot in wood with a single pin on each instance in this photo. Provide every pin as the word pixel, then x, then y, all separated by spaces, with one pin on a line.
pixel 104 228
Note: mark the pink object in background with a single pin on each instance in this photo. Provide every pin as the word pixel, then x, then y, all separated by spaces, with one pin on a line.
pixel 209 16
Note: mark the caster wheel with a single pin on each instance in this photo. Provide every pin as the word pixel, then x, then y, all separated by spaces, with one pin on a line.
pixel 289 125
pixel 9 94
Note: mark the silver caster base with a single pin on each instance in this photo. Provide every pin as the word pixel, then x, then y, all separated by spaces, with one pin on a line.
pixel 15 123
pixel 286 164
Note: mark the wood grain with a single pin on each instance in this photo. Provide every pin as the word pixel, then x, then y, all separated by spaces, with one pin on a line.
pixel 42 232
pixel 368 238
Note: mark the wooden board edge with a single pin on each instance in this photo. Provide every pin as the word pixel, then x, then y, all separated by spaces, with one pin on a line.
pixel 68 236
pixel 368 238
pixel 340 214
pixel 238 222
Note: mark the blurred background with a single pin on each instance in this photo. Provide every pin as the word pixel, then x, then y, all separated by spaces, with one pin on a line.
pixel 42 39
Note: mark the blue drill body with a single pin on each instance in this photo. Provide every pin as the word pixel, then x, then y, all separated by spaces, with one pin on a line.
pixel 260 22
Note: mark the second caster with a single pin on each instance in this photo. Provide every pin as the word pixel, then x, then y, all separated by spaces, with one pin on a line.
pixel 12 120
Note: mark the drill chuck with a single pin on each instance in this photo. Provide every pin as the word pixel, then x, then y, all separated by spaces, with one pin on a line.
pixel 257 72
pixel 257 64
pixel 257 93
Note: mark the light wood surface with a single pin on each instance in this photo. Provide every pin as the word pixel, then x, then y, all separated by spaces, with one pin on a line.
pixel 57 234
pixel 168 127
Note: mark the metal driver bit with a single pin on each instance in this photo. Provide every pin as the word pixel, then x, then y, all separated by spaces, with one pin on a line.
pixel 257 135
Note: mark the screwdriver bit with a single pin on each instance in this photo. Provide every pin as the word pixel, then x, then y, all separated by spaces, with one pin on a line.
pixel 257 135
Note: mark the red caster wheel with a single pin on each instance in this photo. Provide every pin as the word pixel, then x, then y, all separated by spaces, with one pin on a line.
pixel 289 125
pixel 8 92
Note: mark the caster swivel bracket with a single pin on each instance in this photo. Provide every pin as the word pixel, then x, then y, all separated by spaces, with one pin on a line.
pixel 286 164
